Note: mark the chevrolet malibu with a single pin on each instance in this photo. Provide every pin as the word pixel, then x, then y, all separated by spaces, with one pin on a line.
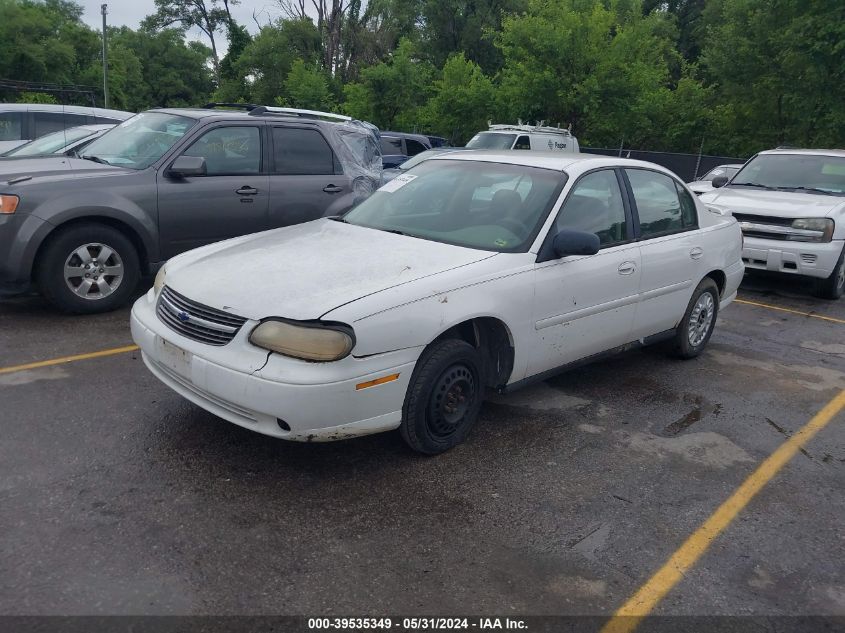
pixel 473 271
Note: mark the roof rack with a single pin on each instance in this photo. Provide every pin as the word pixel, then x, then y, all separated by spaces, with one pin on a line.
pixel 307 114
pixel 249 107
pixel 520 127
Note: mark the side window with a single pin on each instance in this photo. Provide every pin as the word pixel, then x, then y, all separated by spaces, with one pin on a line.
pixel 47 122
pixel 301 152
pixel 10 126
pixel 229 150
pixel 658 204
pixel 390 145
pixel 689 214
pixel 523 142
pixel 595 205
pixel 101 120
pixel 414 147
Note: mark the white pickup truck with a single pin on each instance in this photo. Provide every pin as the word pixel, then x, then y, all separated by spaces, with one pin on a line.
pixel 790 205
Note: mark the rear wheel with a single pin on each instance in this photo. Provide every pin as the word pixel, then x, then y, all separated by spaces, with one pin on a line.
pixel 697 325
pixel 88 268
pixel 834 286
pixel 444 397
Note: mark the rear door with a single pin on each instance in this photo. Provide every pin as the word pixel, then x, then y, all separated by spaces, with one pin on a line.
pixel 230 200
pixel 671 247
pixel 585 305
pixel 307 180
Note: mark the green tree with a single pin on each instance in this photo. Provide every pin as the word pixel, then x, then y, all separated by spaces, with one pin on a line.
pixel 390 94
pixel 267 60
pixel 307 87
pixel 603 68
pixel 463 100
pixel 776 67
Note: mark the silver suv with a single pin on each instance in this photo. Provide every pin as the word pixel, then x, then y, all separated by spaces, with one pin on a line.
pixel 169 180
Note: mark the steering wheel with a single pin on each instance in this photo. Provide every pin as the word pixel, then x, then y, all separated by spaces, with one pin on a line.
pixel 514 226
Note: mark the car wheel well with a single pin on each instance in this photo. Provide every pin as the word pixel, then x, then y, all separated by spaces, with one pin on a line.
pixel 493 340
pixel 721 280
pixel 124 228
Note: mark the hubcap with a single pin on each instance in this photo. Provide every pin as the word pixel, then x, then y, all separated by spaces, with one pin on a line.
pixel 450 400
pixel 700 319
pixel 93 271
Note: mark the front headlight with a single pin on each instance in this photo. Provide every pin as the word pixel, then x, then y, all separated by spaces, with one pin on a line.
pixel 819 230
pixel 158 284
pixel 309 340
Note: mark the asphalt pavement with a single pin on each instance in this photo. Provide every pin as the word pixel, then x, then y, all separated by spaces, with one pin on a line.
pixel 119 497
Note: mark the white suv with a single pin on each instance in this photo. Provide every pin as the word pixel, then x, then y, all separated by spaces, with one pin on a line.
pixel 790 205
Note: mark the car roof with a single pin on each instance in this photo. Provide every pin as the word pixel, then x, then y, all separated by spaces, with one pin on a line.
pixel 416 137
pixel 807 152
pixel 70 109
pixel 547 160
pixel 222 114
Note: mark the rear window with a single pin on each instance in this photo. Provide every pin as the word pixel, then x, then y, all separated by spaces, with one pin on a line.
pixel 391 145
pixel 302 152
pixel 10 126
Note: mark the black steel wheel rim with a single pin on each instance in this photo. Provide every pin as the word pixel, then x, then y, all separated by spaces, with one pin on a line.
pixel 451 400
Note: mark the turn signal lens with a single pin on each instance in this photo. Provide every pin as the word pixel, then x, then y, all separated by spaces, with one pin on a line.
pixel 8 204
pixel 309 341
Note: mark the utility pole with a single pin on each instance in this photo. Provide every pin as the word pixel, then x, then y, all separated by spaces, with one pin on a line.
pixel 105 9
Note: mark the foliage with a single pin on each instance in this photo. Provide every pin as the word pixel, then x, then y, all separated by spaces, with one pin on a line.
pixel 36 97
pixel 731 76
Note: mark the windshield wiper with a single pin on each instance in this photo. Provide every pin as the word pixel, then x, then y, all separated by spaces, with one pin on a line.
pixel 336 218
pixel 813 189
pixel 96 159
pixel 394 231
pixel 752 184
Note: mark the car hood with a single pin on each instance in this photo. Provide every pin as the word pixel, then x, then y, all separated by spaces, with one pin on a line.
pixel 304 271
pixel 48 166
pixel 781 204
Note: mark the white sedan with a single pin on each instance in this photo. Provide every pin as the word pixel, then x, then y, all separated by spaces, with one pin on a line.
pixel 474 270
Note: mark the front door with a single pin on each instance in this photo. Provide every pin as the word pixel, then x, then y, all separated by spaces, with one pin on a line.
pixel 586 304
pixel 307 180
pixel 230 200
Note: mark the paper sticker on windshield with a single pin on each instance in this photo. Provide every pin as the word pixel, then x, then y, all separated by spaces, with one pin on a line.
pixel 397 183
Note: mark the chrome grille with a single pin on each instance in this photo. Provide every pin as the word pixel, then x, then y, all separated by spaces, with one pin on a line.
pixel 195 320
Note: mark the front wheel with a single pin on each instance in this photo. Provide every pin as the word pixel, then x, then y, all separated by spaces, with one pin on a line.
pixel 697 324
pixel 834 286
pixel 444 397
pixel 88 268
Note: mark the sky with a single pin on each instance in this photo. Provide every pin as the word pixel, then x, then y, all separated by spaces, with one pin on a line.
pixel 131 12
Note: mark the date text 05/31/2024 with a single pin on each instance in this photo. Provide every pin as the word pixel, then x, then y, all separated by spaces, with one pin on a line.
pixel 417 624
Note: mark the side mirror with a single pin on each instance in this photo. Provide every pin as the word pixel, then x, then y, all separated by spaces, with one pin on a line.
pixel 719 181
pixel 575 243
pixel 187 166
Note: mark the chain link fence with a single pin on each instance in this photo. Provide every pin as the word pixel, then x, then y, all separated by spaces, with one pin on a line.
pixel 687 166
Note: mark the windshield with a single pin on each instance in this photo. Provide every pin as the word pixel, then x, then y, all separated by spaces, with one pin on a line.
pixel 140 141
pixel 51 143
pixel 794 172
pixel 722 170
pixel 482 205
pixel 491 140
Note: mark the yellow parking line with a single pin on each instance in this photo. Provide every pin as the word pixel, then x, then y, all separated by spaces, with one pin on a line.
pixel 69 359
pixel 629 615
pixel 778 308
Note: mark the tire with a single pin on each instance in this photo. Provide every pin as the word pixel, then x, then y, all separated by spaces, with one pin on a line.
pixel 79 249
pixel 696 326
pixel 834 286
pixel 444 397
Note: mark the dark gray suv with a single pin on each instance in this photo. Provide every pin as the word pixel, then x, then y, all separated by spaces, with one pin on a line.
pixel 85 229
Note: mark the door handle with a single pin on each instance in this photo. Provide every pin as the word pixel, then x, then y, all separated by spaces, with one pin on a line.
pixel 332 189
pixel 246 191
pixel 696 252
pixel 626 268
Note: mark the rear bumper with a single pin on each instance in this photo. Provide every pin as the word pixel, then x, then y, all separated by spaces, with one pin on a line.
pixel 797 258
